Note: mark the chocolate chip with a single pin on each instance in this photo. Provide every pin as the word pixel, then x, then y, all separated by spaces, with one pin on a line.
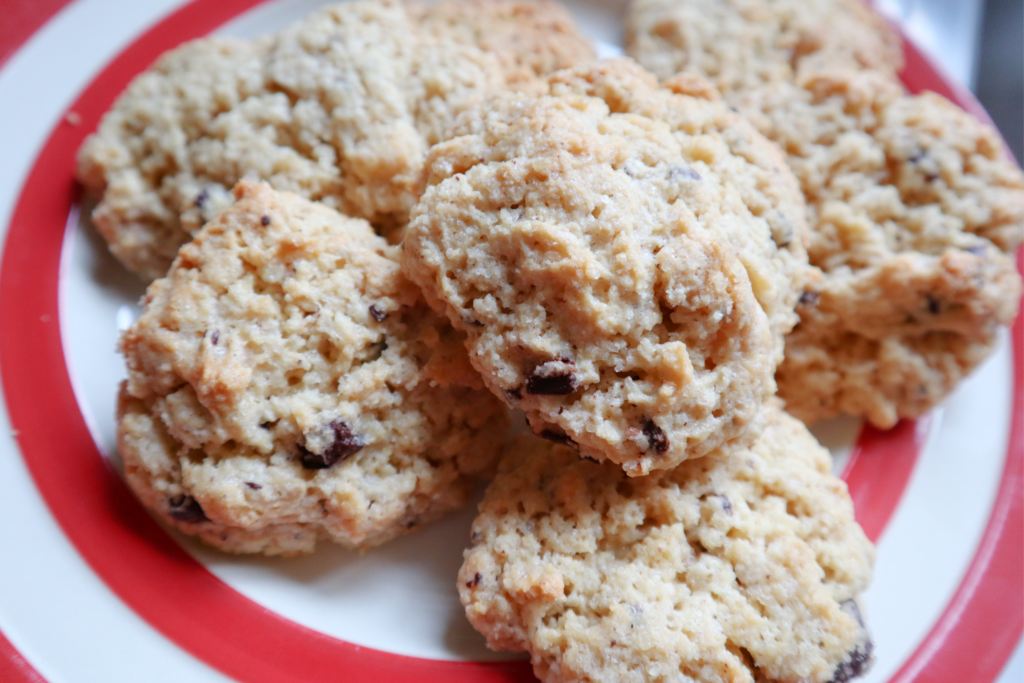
pixel 563 439
pixel 926 164
pixel 726 505
pixel 555 385
pixel 475 581
pixel 378 314
pixel 553 378
pixel 656 438
pixel 215 337
pixel 683 172
pixel 515 394
pixel 809 298
pixel 185 508
pixel 934 305
pixel 856 665
pixel 200 200
pixel 253 485
pixel 265 221
pixel 345 444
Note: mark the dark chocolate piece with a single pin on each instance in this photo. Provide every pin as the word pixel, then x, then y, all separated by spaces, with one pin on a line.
pixel 475 581
pixel 185 508
pixel 809 298
pixel 555 385
pixel 345 445
pixel 200 200
pixel 655 437
pixel 934 305
pixel 726 505
pixel 215 337
pixel 265 221
pixel 857 665
pixel 563 439
pixel 378 314
pixel 253 485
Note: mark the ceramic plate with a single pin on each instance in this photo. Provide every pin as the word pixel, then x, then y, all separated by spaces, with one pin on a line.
pixel 93 589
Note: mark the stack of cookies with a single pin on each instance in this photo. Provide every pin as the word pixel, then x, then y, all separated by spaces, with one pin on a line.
pixel 378 235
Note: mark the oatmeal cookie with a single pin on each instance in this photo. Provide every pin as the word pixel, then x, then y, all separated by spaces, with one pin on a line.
pixel 534 34
pixel 586 255
pixel 737 568
pixel 286 383
pixel 340 108
pixel 741 44
pixel 916 211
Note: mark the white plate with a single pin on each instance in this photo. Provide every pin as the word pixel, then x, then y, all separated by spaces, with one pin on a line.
pixel 80 562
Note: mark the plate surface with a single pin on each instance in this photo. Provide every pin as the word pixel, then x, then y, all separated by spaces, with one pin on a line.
pixel 94 589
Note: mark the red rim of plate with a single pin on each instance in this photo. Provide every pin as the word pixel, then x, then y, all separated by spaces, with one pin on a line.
pixel 150 572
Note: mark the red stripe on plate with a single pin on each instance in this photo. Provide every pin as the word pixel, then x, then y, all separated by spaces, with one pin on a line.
pixel 982 624
pixel 22 18
pixel 132 554
pixel 13 667
pixel 879 469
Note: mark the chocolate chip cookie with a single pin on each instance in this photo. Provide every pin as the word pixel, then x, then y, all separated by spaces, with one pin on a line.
pixel 286 383
pixel 743 567
pixel 916 211
pixel 590 256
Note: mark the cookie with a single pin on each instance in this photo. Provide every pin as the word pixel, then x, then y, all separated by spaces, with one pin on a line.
pixel 741 44
pixel 536 35
pixel 916 211
pixel 286 383
pixel 736 568
pixel 773 252
pixel 339 108
pixel 586 255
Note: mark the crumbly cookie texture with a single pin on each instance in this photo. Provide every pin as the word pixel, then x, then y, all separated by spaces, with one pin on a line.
pixel 585 254
pixel 339 108
pixel 772 249
pixel 286 383
pixel 537 35
pixel 735 568
pixel 741 44
pixel 916 212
